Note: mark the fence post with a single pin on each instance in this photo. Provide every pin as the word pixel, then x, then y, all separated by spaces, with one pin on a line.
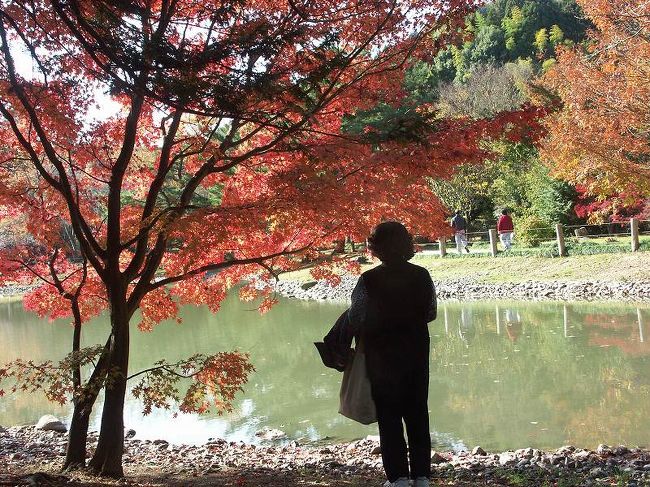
pixel 561 247
pixel 493 242
pixel 634 232
pixel 442 241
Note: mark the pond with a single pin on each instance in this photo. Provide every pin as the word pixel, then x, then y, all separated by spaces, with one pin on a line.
pixel 503 374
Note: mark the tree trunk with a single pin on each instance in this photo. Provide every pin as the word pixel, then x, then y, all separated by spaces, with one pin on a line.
pixel 107 460
pixel 75 455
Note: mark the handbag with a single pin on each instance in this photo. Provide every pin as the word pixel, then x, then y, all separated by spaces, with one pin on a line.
pixel 355 397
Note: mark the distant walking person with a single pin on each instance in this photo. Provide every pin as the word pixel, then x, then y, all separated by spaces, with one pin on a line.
pixel 391 306
pixel 459 224
pixel 505 227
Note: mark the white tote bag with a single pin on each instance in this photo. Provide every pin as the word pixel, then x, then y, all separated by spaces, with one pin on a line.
pixel 356 398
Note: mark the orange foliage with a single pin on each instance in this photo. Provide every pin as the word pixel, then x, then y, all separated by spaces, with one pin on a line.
pixel 601 136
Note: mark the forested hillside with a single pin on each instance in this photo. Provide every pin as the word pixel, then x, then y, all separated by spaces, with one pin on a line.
pixel 504 49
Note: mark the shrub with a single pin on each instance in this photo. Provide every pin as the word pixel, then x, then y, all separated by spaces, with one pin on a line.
pixel 532 230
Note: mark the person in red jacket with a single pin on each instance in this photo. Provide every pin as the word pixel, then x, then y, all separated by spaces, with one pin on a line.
pixel 505 228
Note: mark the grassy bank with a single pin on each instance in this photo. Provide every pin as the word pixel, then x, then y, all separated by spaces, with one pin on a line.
pixel 623 267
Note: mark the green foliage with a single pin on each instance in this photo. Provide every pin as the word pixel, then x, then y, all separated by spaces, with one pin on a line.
pixel 386 122
pixel 556 35
pixel 522 183
pixel 516 179
pixel 485 48
pixel 510 30
pixel 548 64
pixel 513 25
pixel 466 190
pixel 549 199
pixel 404 122
pixel 532 230
pixel 509 168
pixel 541 41
pixel 421 82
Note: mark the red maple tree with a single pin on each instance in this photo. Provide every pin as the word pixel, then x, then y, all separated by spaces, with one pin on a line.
pixel 225 161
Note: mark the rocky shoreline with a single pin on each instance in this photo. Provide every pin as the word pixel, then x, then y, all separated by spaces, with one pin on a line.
pixel 466 289
pixel 27 449
pixel 459 289
pixel 14 291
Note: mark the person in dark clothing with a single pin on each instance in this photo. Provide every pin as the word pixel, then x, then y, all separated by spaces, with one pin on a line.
pixel 391 306
pixel 459 224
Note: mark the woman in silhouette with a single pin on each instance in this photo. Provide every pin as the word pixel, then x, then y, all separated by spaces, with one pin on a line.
pixel 391 306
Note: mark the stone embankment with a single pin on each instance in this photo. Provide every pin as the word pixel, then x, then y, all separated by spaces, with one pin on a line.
pixel 28 449
pixel 473 290
pixel 10 290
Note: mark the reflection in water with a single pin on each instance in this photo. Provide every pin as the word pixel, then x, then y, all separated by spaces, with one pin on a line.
pixel 565 373
pixel 498 314
pixel 565 314
pixel 513 324
pixel 640 321
pixel 466 330
pixel 446 314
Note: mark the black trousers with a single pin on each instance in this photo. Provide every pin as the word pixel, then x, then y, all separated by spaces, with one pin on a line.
pixel 407 402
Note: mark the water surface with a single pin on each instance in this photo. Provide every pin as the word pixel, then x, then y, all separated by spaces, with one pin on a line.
pixel 503 375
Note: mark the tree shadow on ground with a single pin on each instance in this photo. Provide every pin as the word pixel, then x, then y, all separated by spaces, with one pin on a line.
pixel 260 477
pixel 235 478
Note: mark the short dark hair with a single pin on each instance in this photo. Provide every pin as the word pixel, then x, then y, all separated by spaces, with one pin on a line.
pixel 504 211
pixel 391 242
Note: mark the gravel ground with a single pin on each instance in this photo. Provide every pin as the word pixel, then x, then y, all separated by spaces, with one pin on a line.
pixel 25 451
pixel 468 289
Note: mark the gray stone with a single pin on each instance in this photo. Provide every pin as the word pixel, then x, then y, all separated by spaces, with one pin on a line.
pixel 308 285
pixel 51 423
pixel 270 434
pixel 564 450
pixel 506 458
pixel 437 458
pixel 525 453
pixel 603 450
pixel 581 455
pixel 376 450
pixel 477 450
pixel 130 433
pixel 621 450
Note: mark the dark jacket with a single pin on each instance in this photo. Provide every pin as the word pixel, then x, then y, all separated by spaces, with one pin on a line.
pixel 458 223
pixel 391 306
pixel 335 348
